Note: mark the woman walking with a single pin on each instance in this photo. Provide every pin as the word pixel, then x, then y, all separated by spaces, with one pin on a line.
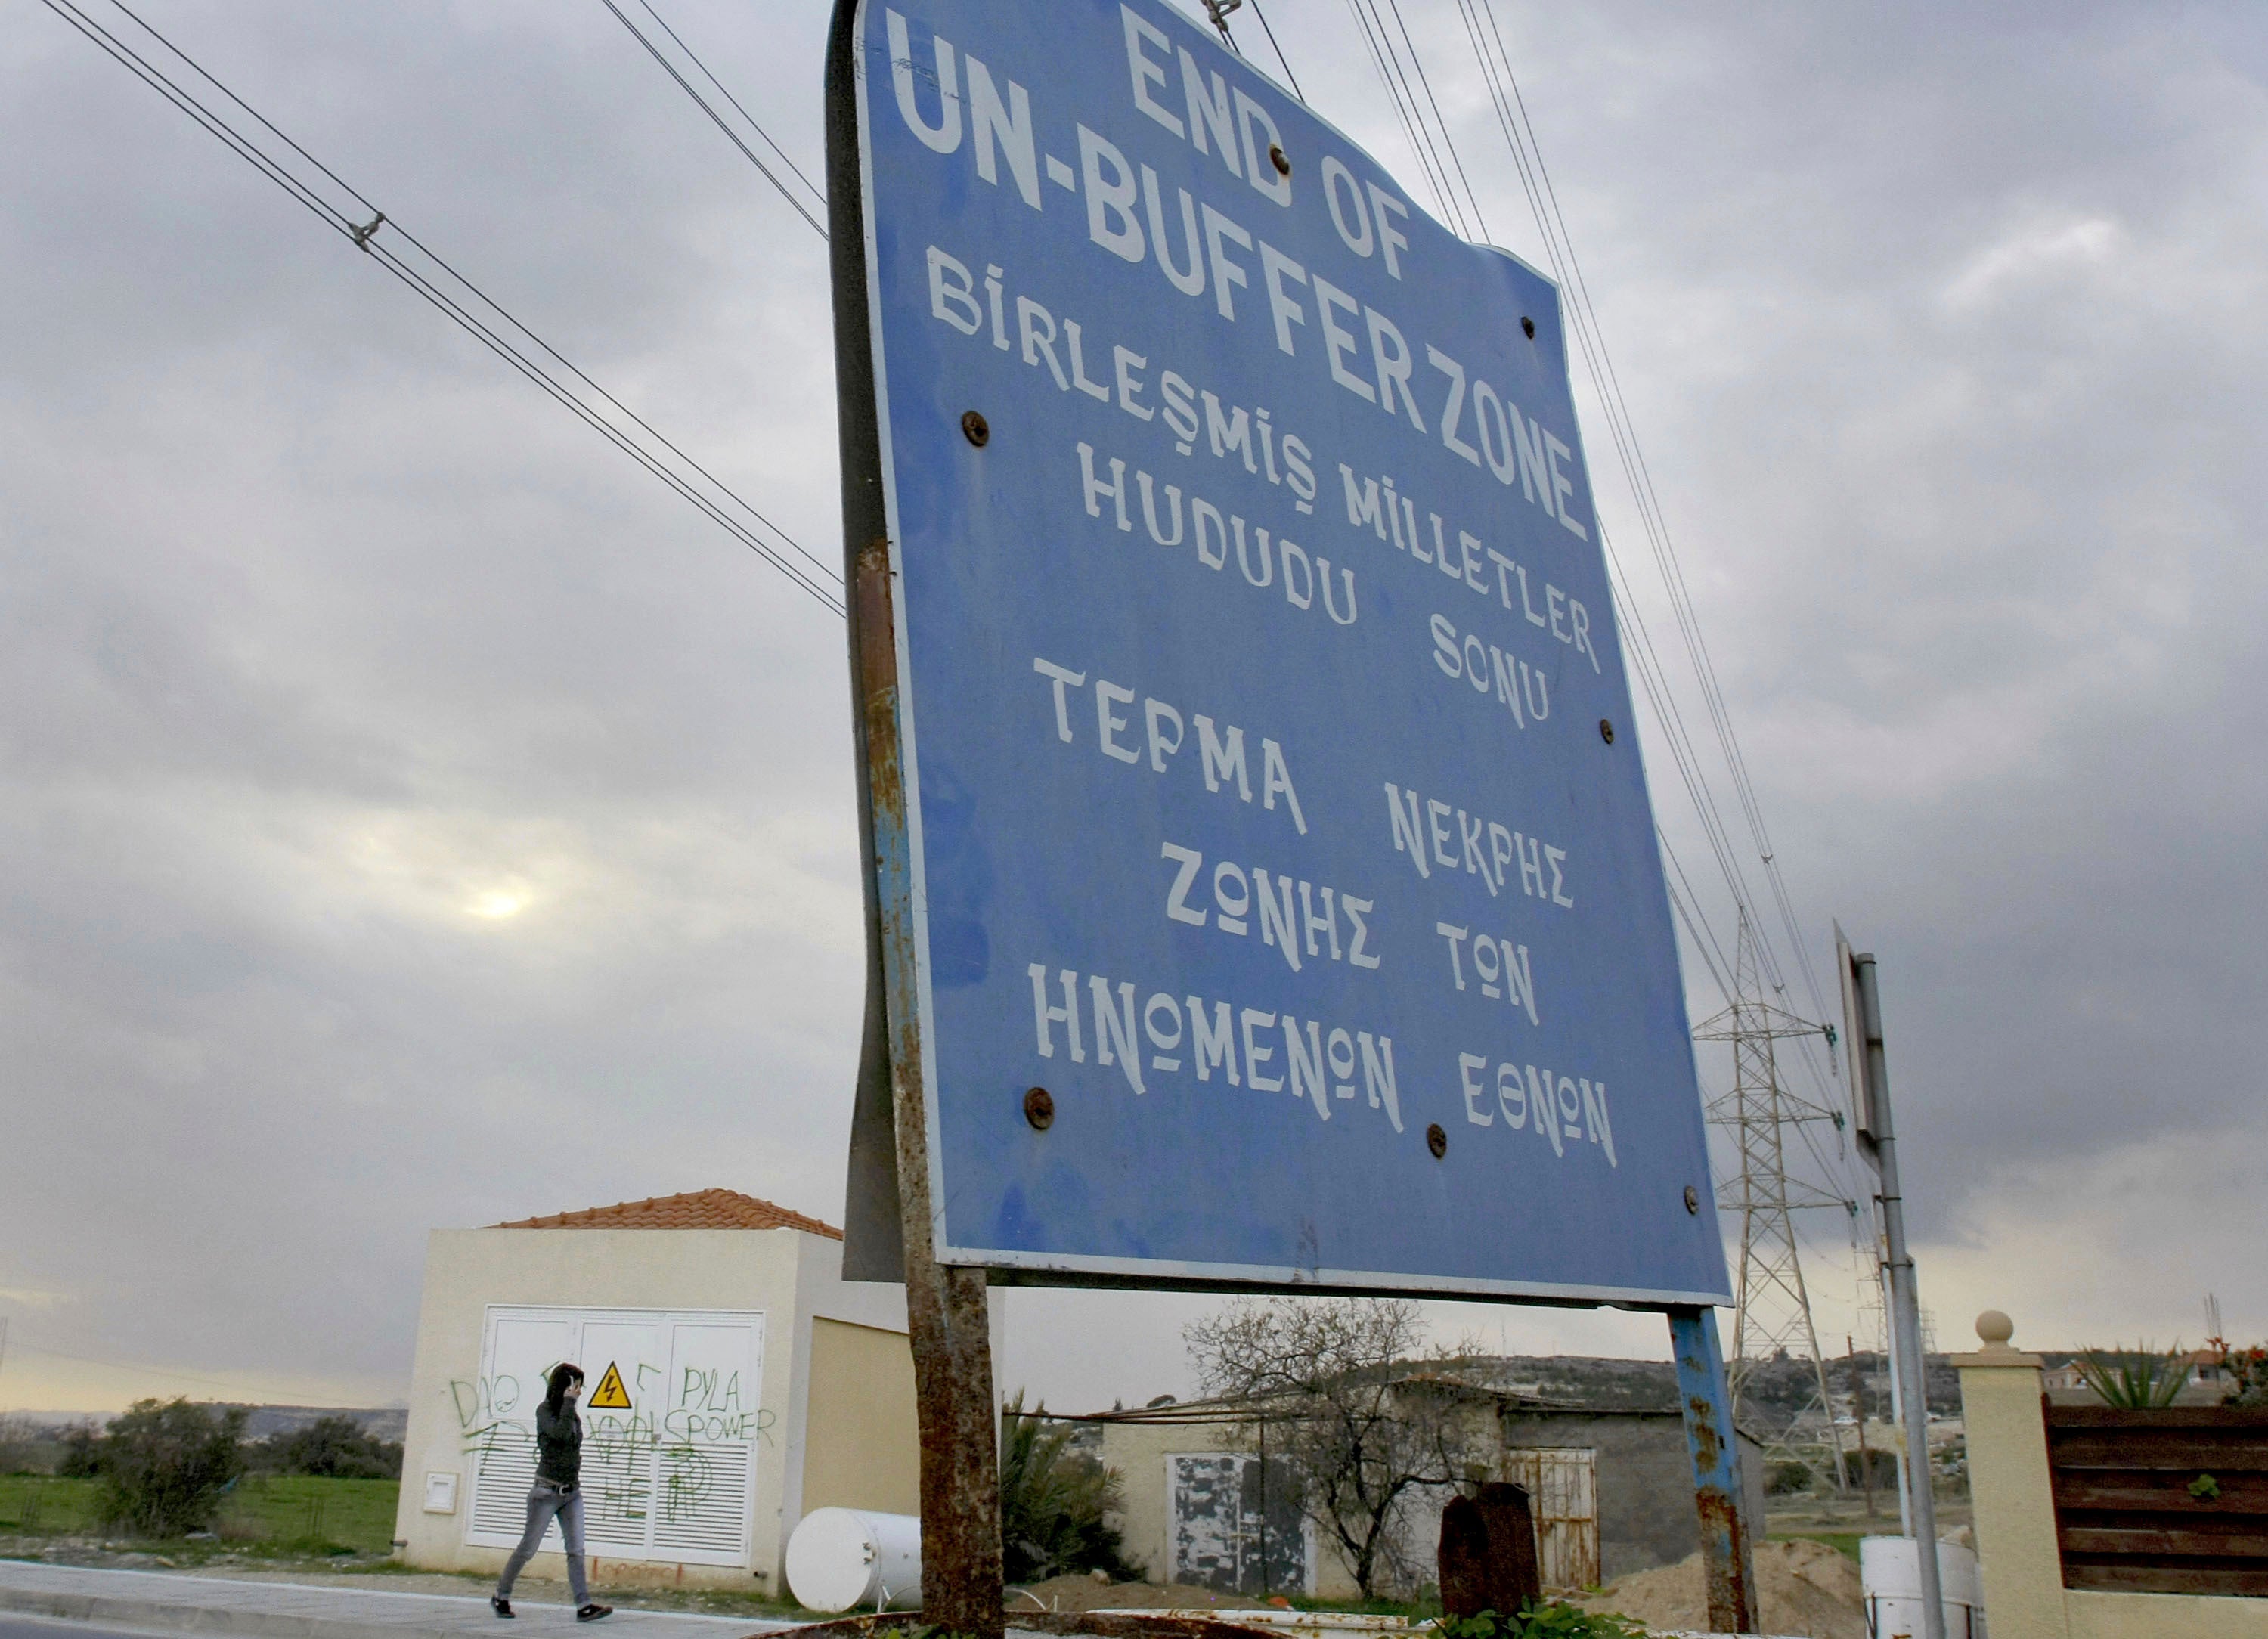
pixel 558 1471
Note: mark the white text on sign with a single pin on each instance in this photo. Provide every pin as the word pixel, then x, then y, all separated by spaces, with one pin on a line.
pixel 1221 755
pixel 1235 892
pixel 1260 1048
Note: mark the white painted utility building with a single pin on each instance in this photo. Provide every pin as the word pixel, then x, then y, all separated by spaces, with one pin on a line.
pixel 734 1382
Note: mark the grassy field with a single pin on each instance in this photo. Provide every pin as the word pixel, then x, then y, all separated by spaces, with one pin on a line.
pixel 354 1515
pixel 263 1513
pixel 32 1504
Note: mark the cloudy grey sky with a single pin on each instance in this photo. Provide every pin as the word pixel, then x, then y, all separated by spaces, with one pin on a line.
pixel 416 816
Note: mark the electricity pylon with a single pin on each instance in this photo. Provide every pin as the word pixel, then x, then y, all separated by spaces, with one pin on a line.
pixel 1774 1310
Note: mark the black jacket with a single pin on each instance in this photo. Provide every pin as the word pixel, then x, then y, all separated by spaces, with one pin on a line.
pixel 558 1443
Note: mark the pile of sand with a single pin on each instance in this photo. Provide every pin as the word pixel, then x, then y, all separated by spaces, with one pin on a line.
pixel 1805 1588
pixel 1074 1593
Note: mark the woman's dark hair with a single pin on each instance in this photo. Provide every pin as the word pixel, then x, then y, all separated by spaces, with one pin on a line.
pixel 562 1375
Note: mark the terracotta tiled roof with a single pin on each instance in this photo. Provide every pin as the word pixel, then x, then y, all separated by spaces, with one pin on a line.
pixel 699 1209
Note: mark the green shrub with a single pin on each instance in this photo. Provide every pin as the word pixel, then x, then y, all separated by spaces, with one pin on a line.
pixel 165 1466
pixel 330 1448
pixel 23 1448
pixel 81 1458
pixel 1549 1618
pixel 1053 1501
pixel 1784 1478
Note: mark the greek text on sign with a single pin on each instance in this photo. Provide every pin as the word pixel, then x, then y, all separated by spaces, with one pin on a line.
pixel 1277 808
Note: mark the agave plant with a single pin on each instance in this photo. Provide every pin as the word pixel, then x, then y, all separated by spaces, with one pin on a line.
pixel 2136 1380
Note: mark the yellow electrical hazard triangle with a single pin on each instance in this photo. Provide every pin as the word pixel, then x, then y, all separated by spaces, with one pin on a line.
pixel 611 1395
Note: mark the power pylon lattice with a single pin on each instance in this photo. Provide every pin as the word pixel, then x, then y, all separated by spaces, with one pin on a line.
pixel 1774 1307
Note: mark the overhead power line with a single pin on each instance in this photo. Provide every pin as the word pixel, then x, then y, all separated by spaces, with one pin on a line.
pixel 1397 81
pixel 1472 199
pixel 1520 136
pixel 1402 70
pixel 1281 59
pixel 438 282
pixel 1409 87
pixel 718 120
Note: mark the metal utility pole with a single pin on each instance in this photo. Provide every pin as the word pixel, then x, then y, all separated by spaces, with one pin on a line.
pixel 1773 1310
pixel 1859 1416
pixel 1870 1091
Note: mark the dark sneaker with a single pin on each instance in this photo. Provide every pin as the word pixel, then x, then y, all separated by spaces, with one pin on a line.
pixel 501 1606
pixel 593 1612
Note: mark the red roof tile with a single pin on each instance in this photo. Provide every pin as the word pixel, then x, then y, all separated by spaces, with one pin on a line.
pixel 699 1209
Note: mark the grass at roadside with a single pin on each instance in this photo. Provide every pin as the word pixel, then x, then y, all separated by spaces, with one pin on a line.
pixel 34 1505
pixel 1418 1611
pixel 1843 1542
pixel 311 1515
pixel 263 1514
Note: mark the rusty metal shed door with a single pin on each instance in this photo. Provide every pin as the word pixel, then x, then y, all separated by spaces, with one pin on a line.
pixel 1235 1523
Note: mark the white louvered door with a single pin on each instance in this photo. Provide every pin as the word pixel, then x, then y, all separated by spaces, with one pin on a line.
pixel 672 1420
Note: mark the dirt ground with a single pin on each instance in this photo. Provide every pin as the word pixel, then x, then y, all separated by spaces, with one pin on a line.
pixel 1804 1588
pixel 1084 1593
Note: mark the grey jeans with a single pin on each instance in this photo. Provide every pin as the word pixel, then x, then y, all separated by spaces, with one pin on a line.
pixel 548 1499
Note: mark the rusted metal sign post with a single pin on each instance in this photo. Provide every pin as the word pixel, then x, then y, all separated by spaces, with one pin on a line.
pixel 1727 1566
pixel 946 1309
pixel 1262 889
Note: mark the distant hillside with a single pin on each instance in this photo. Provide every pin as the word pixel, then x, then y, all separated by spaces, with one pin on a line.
pixel 1775 1393
pixel 385 1422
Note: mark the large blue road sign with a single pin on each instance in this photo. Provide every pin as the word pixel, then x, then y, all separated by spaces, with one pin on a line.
pixel 1276 805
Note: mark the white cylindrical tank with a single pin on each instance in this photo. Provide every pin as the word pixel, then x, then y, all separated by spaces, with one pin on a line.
pixel 845 1559
pixel 1889 1571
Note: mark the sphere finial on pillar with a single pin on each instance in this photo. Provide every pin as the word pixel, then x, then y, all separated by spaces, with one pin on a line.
pixel 1995 1328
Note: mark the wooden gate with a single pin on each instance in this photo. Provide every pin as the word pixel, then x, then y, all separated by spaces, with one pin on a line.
pixel 1562 1483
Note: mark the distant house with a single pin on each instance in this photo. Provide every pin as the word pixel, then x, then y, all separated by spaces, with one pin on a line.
pixel 734 1382
pixel 1611 1487
pixel 2204 1380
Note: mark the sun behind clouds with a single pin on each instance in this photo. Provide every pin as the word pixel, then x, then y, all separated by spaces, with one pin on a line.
pixel 498 904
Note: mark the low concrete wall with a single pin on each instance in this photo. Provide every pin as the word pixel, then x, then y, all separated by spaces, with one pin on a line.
pixel 862 1448
pixel 2011 1488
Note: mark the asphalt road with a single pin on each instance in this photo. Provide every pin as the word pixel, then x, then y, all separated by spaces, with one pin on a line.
pixel 15 1627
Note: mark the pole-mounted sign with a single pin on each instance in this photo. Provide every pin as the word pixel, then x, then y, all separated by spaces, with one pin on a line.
pixel 1265 887
pixel 1878 1146
pixel 1282 895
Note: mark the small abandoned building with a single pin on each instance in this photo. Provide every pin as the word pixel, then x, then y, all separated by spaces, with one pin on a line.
pixel 1611 1487
pixel 734 1382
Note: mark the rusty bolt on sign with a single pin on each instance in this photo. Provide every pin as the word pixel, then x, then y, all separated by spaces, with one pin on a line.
pixel 1437 1141
pixel 1039 1109
pixel 1607 730
pixel 1693 1200
pixel 976 429
pixel 1281 160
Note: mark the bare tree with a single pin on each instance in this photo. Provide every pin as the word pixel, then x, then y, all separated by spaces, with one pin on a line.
pixel 1339 1387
